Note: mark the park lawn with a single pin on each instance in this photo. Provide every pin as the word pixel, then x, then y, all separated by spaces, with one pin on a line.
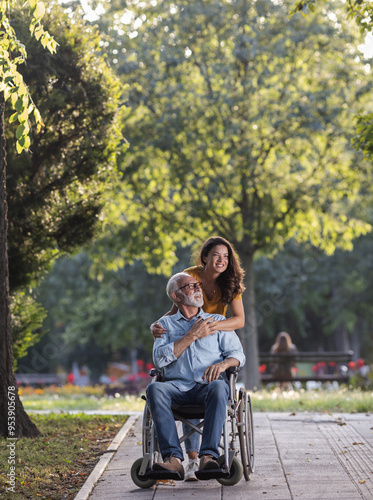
pixel 82 403
pixel 56 464
pixel 342 399
pixel 71 398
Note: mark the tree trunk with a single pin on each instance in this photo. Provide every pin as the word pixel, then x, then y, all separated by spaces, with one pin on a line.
pixel 14 421
pixel 341 338
pixel 356 338
pixel 249 333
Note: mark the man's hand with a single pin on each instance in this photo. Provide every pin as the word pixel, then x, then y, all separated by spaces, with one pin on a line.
pixel 203 328
pixel 200 329
pixel 213 372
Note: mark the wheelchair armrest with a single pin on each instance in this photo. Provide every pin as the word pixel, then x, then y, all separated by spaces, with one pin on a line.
pixel 232 370
pixel 155 372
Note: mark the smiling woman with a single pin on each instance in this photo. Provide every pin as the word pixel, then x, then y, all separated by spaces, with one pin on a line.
pixel 219 270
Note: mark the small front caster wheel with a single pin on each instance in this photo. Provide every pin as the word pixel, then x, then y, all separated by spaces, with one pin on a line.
pixel 140 481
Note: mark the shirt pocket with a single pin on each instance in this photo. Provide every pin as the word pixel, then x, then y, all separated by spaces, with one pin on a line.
pixel 176 335
pixel 209 343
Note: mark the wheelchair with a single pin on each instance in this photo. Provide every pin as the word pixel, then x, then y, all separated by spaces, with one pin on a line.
pixel 237 442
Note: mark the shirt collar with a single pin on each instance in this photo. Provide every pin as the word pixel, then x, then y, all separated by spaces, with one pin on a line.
pixel 179 316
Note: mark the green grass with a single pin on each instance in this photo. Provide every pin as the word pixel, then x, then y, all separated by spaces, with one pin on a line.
pixel 82 403
pixel 56 464
pixel 70 397
pixel 341 400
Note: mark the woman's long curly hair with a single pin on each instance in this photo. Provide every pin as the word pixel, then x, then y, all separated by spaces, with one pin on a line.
pixel 230 281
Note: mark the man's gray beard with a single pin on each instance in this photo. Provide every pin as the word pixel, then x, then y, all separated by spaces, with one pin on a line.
pixel 190 300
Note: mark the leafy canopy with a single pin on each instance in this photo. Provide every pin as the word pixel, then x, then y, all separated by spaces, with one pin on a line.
pixel 12 54
pixel 240 125
pixel 361 11
pixel 56 189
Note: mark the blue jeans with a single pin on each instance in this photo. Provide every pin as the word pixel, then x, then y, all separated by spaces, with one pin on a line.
pixel 214 396
pixel 192 442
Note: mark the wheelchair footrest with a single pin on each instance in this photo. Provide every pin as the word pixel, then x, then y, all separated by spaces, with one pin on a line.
pixel 205 475
pixel 165 474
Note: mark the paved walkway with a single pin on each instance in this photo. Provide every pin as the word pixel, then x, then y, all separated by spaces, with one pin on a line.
pixel 299 456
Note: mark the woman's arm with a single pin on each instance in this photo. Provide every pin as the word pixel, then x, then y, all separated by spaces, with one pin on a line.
pixel 238 317
pixel 158 330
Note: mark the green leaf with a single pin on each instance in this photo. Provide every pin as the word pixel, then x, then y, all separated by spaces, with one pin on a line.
pixel 19 104
pixel 38 32
pixel 23 117
pixel 20 131
pixel 39 10
pixel 13 117
pixel 27 142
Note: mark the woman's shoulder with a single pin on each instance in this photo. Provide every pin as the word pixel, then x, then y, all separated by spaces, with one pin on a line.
pixel 193 271
pixel 237 297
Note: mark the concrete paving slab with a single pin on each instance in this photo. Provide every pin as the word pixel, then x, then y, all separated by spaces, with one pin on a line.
pixel 303 456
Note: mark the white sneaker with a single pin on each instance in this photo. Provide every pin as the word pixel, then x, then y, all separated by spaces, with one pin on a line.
pixel 190 470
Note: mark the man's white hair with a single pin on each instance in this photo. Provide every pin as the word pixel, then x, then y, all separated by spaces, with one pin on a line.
pixel 173 284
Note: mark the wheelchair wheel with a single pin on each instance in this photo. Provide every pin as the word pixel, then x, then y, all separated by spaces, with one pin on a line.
pixel 235 474
pixel 146 429
pixel 140 481
pixel 246 432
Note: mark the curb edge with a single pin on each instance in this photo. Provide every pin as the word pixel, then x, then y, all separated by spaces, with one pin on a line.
pixel 104 461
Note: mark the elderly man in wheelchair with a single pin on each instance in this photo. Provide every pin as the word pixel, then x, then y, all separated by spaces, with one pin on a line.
pixel 194 361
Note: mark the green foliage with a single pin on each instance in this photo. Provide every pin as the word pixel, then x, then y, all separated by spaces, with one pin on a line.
pixel 12 54
pixel 362 12
pixel 100 314
pixel 27 320
pixel 240 125
pixel 315 297
pixel 359 10
pixel 364 137
pixel 56 189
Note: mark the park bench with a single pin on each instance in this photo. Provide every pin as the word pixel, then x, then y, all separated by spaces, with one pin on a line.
pixel 38 379
pixel 333 364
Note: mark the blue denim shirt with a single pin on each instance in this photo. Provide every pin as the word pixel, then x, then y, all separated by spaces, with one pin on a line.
pixel 188 369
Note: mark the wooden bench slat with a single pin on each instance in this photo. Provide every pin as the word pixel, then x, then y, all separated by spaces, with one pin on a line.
pixel 306 357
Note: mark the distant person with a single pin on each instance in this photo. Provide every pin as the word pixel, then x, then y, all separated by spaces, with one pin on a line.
pixel 283 368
